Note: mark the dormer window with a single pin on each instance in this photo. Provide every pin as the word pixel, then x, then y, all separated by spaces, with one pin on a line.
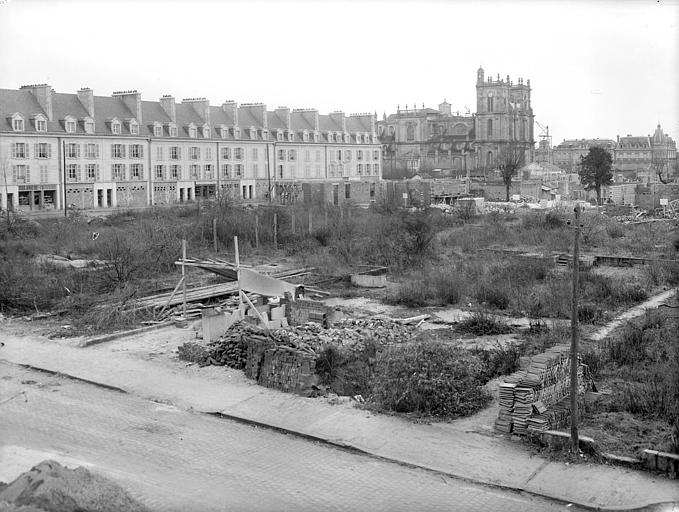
pixel 305 136
pixel 193 131
pixel 88 123
pixel 157 130
pixel 223 132
pixel 317 136
pixel 330 137
pixel 206 132
pixel 172 129
pixel 69 125
pixel 133 126
pixel 236 133
pixel 116 127
pixel 253 133
pixel 40 123
pixel 347 140
pixel 291 136
pixel 265 134
pixel 18 123
pixel 279 135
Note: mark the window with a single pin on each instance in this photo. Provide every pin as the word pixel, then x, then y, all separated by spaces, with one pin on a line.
pixel 279 135
pixel 134 128
pixel 347 155
pixel 194 171
pixel 265 134
pixel 19 150
pixel 173 130
pixel 193 132
pixel 317 136
pixel 359 169
pixel 118 172
pixel 44 174
pixel 43 150
pixel 307 156
pixel 490 128
pixel 159 153
pixel 339 155
pixel 236 133
pixel 41 125
pixel 18 124
pixel 226 170
pixel 226 153
pixel 281 154
pixel 331 137
pixel 208 153
pixel 318 156
pixel 376 154
pixel 175 153
pixel 280 171
pixel 91 171
pixel 292 155
pixel 376 169
pixel 410 132
pixel 117 151
pixel 91 150
pixel 72 150
pixel 255 153
pixel 115 128
pixel 72 172
pixel 206 132
pixel 194 153
pixel 238 153
pixel 207 171
pixel 223 133
pixel 305 136
pixel 21 173
pixel 136 151
pixel 157 130
pixel 307 171
pixel 359 154
pixel 489 104
pixel 238 168
pixel 159 172
pixel 175 172
pixel 318 171
pixel 89 126
pixel 291 136
pixel 347 191
pixel 136 171
pixel 255 170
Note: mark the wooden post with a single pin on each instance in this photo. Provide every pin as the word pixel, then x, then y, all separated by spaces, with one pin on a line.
pixel 184 276
pixel 257 230
pixel 311 224
pixel 292 220
pixel 275 231
pixel 235 250
pixel 214 233
pixel 325 214
pixel 575 443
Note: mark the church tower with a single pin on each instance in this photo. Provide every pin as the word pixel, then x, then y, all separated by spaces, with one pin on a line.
pixel 504 117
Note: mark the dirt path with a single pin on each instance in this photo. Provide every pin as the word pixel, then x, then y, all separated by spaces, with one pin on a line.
pixel 630 314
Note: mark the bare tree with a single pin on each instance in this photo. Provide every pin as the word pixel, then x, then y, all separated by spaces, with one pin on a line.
pixel 4 167
pixel 510 160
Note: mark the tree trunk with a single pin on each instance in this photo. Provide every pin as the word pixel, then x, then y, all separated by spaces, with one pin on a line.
pixel 507 189
pixel 598 195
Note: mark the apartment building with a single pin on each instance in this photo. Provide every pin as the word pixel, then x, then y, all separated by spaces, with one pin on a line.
pixel 92 151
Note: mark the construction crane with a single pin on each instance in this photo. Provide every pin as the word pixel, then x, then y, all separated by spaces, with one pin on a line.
pixel 545 144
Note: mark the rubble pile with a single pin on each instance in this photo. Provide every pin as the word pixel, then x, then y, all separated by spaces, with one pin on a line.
pixel 537 398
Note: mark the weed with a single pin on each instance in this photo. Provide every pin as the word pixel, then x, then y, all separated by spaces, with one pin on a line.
pixel 481 324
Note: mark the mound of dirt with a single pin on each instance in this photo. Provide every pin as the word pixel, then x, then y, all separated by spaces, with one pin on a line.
pixel 51 487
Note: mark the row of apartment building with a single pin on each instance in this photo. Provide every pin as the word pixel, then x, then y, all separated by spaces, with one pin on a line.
pixel 95 152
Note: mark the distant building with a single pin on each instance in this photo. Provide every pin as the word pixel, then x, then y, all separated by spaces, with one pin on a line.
pixel 422 139
pixel 92 151
pixel 567 154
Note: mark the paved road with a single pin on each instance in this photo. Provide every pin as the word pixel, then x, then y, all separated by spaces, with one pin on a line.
pixel 176 460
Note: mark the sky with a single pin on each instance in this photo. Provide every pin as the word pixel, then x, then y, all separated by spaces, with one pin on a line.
pixel 598 68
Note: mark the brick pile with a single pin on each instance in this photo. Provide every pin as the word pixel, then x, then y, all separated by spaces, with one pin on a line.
pixel 537 398
pixel 289 370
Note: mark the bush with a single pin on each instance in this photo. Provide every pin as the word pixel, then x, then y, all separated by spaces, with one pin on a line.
pixel 347 372
pixel 492 292
pixel 500 360
pixel 429 378
pixel 482 324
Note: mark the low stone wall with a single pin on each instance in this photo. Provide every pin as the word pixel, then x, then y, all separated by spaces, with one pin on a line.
pixel 667 463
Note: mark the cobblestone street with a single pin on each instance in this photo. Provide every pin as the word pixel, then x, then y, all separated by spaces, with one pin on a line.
pixel 176 460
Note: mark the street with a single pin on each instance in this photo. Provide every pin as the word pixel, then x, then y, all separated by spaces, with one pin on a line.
pixel 176 460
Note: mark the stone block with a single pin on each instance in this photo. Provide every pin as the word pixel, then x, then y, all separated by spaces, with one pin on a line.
pixel 366 281
pixel 278 313
pixel 651 459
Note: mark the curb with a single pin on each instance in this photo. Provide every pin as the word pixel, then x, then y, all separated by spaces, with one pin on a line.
pixel 651 507
pixel 122 334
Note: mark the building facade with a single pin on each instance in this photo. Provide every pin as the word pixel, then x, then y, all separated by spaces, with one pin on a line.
pixel 567 154
pixel 95 151
pixel 423 139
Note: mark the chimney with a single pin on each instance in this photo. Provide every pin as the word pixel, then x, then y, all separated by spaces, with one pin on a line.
pixel 43 95
pixel 231 109
pixel 284 114
pixel 86 97
pixel 167 104
pixel 338 117
pixel 132 100
pixel 258 112
pixel 201 106
pixel 444 108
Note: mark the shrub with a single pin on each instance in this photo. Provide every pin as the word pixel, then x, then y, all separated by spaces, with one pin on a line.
pixel 493 292
pixel 615 230
pixel 429 378
pixel 347 372
pixel 500 360
pixel 481 324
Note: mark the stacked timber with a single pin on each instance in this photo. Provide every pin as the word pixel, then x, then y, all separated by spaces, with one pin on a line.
pixel 537 398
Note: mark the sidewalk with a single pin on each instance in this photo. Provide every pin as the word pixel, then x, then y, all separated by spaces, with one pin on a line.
pixel 446 447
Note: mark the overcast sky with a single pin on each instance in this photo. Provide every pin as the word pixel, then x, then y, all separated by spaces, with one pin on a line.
pixel 597 68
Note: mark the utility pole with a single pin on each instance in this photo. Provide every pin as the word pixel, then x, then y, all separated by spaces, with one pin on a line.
pixel 575 444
